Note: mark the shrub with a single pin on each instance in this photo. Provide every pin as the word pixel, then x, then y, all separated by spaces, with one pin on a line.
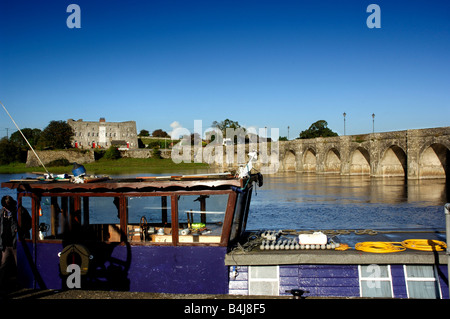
pixel 156 153
pixel 153 144
pixel 112 153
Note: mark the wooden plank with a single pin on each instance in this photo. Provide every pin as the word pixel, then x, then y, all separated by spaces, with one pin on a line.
pixel 96 179
pixel 174 218
pixel 226 229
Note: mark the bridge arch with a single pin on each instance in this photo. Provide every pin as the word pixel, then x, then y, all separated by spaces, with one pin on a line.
pixel 360 162
pixel 434 161
pixel 289 162
pixel 309 160
pixel 333 161
pixel 393 162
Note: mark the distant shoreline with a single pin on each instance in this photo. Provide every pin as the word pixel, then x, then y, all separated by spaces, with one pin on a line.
pixel 118 166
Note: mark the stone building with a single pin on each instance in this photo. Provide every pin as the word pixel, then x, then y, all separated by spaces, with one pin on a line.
pixel 102 134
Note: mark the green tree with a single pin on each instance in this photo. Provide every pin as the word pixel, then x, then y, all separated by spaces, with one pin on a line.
pixel 317 129
pixel 32 136
pixel 9 151
pixel 159 133
pixel 144 133
pixel 227 123
pixel 112 153
pixel 57 134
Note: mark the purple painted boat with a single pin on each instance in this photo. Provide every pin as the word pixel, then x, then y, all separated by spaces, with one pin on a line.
pixel 187 234
pixel 152 234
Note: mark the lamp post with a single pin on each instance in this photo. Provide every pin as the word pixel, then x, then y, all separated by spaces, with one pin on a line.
pixel 344 121
pixel 288 133
pixel 373 122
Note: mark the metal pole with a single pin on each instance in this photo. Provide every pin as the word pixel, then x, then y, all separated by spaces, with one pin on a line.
pixel 373 122
pixel 447 234
pixel 344 114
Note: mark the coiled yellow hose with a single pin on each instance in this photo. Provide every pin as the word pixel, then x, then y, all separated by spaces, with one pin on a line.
pixel 342 247
pixel 392 247
pixel 379 247
pixel 424 244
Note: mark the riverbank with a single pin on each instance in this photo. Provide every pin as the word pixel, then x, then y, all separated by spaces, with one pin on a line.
pixel 118 166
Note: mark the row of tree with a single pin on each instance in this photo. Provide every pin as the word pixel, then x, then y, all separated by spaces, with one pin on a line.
pixel 317 129
pixel 57 135
pixel 156 133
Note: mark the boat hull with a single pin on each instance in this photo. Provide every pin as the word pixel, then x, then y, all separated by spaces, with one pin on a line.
pixel 159 269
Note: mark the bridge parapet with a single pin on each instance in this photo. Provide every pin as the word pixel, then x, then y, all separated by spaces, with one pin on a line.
pixel 414 154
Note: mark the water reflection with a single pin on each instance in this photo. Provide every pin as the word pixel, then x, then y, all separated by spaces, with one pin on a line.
pixel 351 189
pixel 302 201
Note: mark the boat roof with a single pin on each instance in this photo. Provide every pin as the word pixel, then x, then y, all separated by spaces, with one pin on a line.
pixel 104 183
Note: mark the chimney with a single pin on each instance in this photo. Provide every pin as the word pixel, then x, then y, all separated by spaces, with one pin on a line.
pixel 102 119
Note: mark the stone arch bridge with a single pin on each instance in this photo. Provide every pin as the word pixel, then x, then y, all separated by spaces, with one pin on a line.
pixel 413 154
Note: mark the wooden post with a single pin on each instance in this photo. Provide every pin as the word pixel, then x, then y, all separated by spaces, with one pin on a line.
pixel 202 199
pixel 228 218
pixel 34 218
pixel 64 215
pixel 54 216
pixel 123 211
pixel 164 209
pixel 447 234
pixel 85 211
pixel 174 210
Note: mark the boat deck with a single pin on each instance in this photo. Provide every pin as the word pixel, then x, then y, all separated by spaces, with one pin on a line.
pixel 241 255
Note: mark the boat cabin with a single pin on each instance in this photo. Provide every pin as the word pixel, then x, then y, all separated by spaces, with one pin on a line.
pixel 155 234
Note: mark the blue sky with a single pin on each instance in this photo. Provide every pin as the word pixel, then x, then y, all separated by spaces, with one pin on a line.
pixel 262 63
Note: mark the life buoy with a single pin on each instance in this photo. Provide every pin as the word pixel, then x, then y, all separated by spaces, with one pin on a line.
pixel 74 254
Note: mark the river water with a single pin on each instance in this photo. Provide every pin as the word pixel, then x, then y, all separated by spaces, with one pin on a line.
pixel 313 202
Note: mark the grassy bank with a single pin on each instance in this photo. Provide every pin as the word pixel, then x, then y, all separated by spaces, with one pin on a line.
pixel 119 166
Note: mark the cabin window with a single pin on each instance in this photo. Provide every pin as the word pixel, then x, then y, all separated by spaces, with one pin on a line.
pixel 90 218
pixel 54 217
pixel 375 281
pixel 263 280
pixel 201 217
pixel 102 218
pixel 421 281
pixel 149 219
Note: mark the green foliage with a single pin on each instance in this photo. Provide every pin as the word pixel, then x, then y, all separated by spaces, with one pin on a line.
pixel 159 133
pixel 144 133
pixel 227 123
pixel 156 153
pixel 32 135
pixel 317 129
pixel 112 153
pixel 154 144
pixel 57 134
pixel 98 153
pixel 9 151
